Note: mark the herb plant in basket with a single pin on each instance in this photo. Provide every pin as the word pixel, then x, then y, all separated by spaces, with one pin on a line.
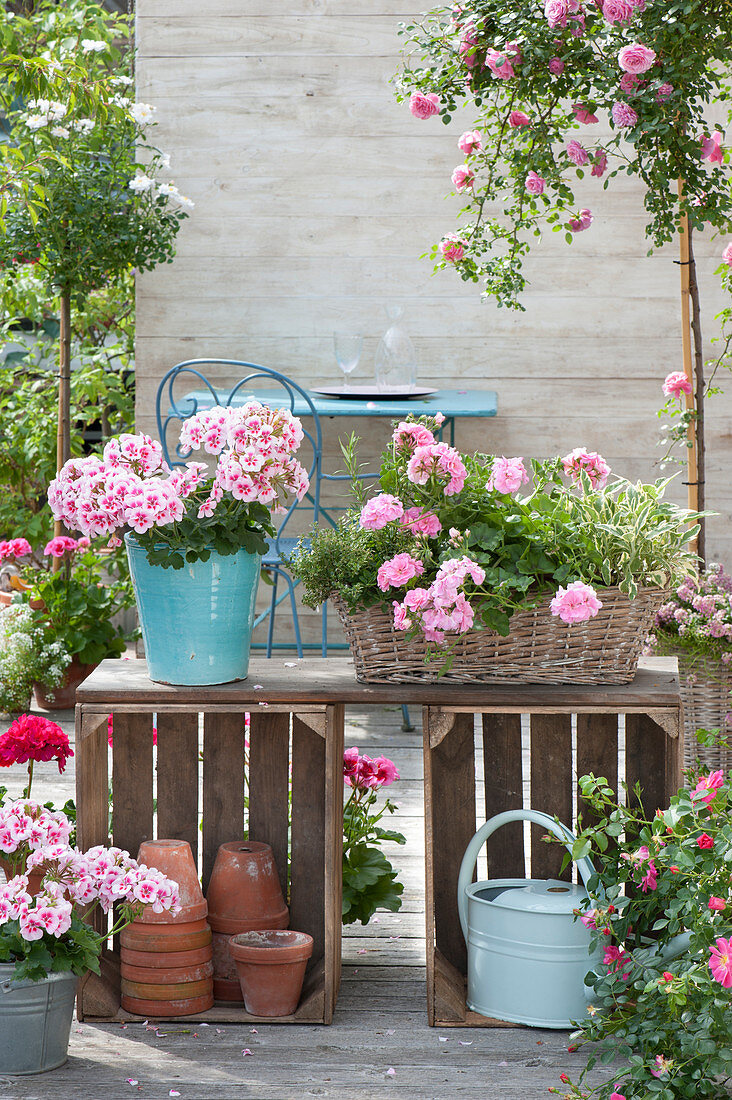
pixel 454 568
pixel 194 537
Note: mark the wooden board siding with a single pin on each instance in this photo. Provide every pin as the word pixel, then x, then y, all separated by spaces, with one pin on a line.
pixel 316 193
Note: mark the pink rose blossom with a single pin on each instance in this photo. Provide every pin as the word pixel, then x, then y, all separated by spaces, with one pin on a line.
pixel 717 904
pixel 424 106
pixel 577 153
pixel 501 62
pixel 664 92
pixel 463 177
pixel 452 248
pixel 617 1096
pixel 720 962
pixel 649 880
pixel 583 114
pixel 599 163
pixel 709 784
pixel 676 383
pixel 705 842
pixel 558 11
pixel 507 475
pixel 576 603
pixel 468 48
pixel 518 118
pixel 623 114
pixel 556 66
pixel 380 510
pixel 592 463
pixel 398 571
pixel 727 255
pixel 617 11
pixel 628 83
pixel 636 58
pixel 470 142
pixel 584 221
pixel 535 185
pixel 712 148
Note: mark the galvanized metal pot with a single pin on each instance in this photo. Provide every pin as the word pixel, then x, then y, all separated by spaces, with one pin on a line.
pixel 35 1021
pixel 527 952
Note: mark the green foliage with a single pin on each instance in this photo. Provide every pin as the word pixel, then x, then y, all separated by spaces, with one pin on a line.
pixel 77 951
pixel 694 50
pixel 369 880
pixel 653 1005
pixel 234 526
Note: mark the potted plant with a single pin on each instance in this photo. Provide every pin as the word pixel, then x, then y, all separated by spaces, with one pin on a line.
pixel 194 539
pixel 72 606
pixel 695 626
pixel 452 563
pixel 26 658
pixel 661 1001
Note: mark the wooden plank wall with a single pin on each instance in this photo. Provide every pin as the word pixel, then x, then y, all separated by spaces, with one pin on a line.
pixel 316 193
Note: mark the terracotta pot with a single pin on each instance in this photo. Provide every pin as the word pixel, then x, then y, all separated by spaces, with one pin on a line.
pixel 175 937
pixel 35 877
pixel 174 975
pixel 175 859
pixel 244 893
pixel 150 991
pixel 154 960
pixel 186 1006
pixel 271 966
pixel 226 980
pixel 63 697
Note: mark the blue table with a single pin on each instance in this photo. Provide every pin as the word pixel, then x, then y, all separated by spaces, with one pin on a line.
pixel 453 404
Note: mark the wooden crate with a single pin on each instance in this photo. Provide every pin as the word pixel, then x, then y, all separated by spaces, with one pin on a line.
pixel 653 756
pixel 308 738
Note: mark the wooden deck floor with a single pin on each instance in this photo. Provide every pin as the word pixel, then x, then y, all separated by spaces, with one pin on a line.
pixel 379 1045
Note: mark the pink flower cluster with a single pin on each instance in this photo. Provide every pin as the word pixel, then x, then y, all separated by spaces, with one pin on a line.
pixel 576 603
pixel 442 608
pixel 589 462
pixel 507 475
pixel 584 221
pixel 420 522
pixel 25 826
pixel 501 62
pixel 452 248
pixel 380 510
pixel 14 548
pixel 701 609
pixel 48 912
pixel 439 461
pixel 363 773
pixel 676 383
pixel 708 786
pixel 61 545
pixel 398 571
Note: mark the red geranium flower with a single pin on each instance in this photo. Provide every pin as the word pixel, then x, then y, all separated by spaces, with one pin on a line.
pixel 34 738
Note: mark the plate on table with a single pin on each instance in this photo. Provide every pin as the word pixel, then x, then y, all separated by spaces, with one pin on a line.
pixel 370 393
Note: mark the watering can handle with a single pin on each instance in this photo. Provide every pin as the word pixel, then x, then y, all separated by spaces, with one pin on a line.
pixel 467 866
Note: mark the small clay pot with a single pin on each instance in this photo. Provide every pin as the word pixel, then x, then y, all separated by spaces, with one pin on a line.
pixel 63 697
pixel 35 877
pixel 173 937
pixel 172 976
pixel 271 966
pixel 163 960
pixel 175 859
pixel 185 1006
pixel 244 892
pixel 226 980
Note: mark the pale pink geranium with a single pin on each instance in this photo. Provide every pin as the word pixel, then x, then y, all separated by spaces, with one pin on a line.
pixel 623 114
pixel 676 383
pixel 452 248
pixel 583 114
pixel 409 434
pixel 441 461
pixel 421 522
pixel 617 11
pixel 708 786
pixel 636 58
pixel 577 153
pixel 518 118
pixel 501 62
pixel 535 185
pixel 507 475
pixel 380 510
pixel 470 142
pixel 398 571
pixel 590 462
pixel 711 148
pixel 727 255
pixel 424 105
pixel 556 66
pixel 599 163
pixel 463 177
pixel 576 603
pixel 584 221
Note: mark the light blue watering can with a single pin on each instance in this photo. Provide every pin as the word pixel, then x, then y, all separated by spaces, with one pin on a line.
pixel 528 954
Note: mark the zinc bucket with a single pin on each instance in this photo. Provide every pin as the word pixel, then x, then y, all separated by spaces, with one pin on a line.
pixel 35 1021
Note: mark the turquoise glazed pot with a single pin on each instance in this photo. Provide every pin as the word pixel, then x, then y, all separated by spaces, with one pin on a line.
pixel 196 621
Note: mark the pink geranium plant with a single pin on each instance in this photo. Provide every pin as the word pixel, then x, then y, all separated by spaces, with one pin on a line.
pixel 451 542
pixel 369 880
pixel 188 511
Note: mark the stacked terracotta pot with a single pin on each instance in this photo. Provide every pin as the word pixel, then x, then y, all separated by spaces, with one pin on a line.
pixel 166 962
pixel 244 895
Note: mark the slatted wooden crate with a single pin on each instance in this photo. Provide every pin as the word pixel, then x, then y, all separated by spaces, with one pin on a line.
pixel 653 756
pixel 306 738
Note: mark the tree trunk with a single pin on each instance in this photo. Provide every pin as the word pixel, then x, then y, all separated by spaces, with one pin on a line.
pixel 63 431
pixel 693 362
pixel 699 399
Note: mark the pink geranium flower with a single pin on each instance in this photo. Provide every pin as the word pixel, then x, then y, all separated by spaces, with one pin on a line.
pixel 507 475
pixel 676 383
pixel 590 462
pixel 380 510
pixel 424 105
pixel 576 603
pixel 398 571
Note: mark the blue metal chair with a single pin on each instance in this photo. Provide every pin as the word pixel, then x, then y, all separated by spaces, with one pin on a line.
pixel 169 408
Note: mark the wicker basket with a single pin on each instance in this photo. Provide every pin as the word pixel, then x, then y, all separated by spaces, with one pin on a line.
pixel 539 650
pixel 706 683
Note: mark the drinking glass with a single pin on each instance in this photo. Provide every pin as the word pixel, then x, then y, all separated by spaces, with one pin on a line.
pixel 348 347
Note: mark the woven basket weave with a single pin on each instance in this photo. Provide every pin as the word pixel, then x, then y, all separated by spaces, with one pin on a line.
pixel 705 683
pixel 539 650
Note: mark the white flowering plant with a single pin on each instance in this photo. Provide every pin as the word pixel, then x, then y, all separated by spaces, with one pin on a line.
pixel 26 657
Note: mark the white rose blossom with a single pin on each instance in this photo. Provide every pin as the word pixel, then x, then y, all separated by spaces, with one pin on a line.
pixel 60 131
pixel 93 46
pixel 83 125
pixel 141 183
pixel 142 112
